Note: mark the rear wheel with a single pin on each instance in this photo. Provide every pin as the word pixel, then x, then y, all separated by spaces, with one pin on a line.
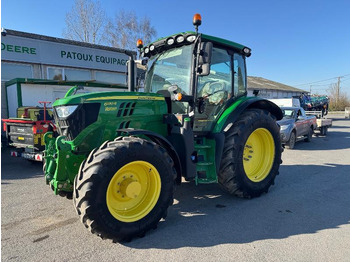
pixel 252 155
pixel 124 188
pixel 308 137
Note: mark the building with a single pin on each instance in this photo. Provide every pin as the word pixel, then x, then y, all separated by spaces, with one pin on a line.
pixel 38 57
pixel 270 89
pixel 32 56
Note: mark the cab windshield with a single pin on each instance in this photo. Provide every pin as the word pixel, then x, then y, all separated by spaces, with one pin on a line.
pixel 172 67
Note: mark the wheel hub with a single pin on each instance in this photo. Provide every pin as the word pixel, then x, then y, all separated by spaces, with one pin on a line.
pixel 130 188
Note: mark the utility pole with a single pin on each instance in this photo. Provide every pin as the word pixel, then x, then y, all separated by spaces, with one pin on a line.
pixel 337 92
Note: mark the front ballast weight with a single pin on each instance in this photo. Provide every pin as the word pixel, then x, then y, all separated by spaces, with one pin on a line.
pixel 58 158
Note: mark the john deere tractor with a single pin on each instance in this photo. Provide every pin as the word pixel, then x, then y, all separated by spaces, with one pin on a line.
pixel 120 154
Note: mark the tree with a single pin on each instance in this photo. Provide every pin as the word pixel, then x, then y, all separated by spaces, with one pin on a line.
pixel 338 100
pixel 127 29
pixel 85 22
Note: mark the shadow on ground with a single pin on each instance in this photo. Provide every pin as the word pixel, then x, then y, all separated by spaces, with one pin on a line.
pixel 306 200
pixel 12 167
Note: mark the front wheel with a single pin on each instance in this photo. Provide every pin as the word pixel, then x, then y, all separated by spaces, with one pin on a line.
pixel 292 139
pixel 251 155
pixel 124 188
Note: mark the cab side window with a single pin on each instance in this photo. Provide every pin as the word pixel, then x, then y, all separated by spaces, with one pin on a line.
pixel 214 89
pixel 217 85
pixel 239 75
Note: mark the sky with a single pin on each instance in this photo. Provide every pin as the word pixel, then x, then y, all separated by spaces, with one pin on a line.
pixel 295 42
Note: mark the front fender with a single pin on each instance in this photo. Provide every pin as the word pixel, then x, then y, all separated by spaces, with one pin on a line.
pixel 162 141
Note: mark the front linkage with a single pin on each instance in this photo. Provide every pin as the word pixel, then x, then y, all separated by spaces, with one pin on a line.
pixel 61 164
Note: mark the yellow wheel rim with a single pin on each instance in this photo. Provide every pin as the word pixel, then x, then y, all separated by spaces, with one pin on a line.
pixel 133 191
pixel 258 154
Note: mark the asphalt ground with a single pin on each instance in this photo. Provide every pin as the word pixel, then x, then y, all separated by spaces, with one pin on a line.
pixel 304 217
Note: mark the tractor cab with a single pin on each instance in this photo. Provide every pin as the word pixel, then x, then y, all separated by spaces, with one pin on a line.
pixel 200 74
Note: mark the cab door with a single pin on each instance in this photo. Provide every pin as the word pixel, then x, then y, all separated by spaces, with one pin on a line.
pixel 214 90
pixel 299 123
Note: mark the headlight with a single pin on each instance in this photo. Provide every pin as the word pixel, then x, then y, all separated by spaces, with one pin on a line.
pixel 65 111
pixel 284 127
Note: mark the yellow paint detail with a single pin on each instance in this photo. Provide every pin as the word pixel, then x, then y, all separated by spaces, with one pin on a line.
pixel 126 98
pixel 107 109
pixel 258 155
pixel 110 104
pixel 42 139
pixel 20 138
pixel 133 191
pixel 36 138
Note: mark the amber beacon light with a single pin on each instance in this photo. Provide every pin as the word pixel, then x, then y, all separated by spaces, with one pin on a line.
pixel 197 21
pixel 139 44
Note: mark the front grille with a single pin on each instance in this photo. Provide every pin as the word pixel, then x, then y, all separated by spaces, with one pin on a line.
pixel 83 116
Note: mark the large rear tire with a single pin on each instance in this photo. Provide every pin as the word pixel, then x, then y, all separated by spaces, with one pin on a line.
pixel 252 155
pixel 124 188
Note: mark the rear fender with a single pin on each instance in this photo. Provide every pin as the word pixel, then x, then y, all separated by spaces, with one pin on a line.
pixel 232 113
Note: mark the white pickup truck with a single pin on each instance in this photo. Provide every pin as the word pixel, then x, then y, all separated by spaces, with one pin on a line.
pixel 295 126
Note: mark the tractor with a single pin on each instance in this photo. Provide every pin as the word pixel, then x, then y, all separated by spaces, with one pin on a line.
pixel 119 155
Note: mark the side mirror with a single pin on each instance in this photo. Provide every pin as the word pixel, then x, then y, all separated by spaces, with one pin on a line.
pixel 204 60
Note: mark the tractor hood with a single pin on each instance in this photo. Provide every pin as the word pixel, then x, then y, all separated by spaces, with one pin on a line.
pixel 105 96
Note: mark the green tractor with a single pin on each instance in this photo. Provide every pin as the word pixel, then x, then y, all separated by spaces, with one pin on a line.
pixel 120 154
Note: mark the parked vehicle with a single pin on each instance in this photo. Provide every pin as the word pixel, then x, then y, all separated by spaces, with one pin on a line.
pixel 347 112
pixel 315 103
pixel 286 102
pixel 295 126
pixel 25 133
pixel 121 153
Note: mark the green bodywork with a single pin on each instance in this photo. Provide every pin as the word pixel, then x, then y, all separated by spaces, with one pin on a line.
pixel 63 157
pixel 118 112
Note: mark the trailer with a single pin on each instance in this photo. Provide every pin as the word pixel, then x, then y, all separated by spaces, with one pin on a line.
pixel 322 122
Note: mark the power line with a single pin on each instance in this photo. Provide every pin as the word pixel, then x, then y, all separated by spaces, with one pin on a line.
pixel 322 80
